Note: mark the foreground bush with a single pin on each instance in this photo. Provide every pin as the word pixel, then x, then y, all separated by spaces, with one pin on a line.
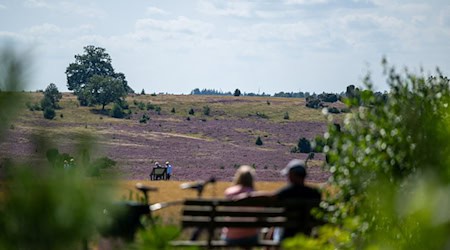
pixel 390 169
pixel 42 207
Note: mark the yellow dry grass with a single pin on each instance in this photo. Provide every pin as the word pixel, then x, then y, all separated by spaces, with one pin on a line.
pixel 170 191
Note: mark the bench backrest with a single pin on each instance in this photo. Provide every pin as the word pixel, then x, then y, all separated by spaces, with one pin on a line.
pixel 247 213
pixel 159 171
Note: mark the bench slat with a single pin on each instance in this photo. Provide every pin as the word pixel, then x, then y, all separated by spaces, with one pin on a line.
pixel 240 224
pixel 219 243
pixel 253 214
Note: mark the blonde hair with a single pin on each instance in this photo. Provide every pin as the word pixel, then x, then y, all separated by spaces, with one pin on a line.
pixel 244 176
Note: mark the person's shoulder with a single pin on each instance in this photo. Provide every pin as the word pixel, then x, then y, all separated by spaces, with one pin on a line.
pixel 236 189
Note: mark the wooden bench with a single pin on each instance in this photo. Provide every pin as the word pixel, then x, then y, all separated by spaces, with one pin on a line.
pixel 211 215
pixel 158 174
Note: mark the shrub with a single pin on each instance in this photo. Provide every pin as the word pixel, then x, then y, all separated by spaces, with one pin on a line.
pixel 158 110
pixel 144 118
pixel 334 110
pixel 191 111
pixel 123 104
pixel 206 110
pixel 237 92
pixel 286 116
pixel 188 118
pixel 318 144
pixel 173 110
pixel 390 177
pixel 345 110
pixel 261 115
pixel 104 162
pixel 37 107
pixel 313 103
pixel 259 142
pixel 61 115
pixel 117 111
pixel 304 146
pixel 326 97
pixel 143 92
pixel 150 106
pixel 141 106
pixel 49 113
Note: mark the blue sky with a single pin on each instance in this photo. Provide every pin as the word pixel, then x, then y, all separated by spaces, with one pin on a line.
pixel 256 46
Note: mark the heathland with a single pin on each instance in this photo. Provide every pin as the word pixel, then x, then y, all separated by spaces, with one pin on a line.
pixel 202 136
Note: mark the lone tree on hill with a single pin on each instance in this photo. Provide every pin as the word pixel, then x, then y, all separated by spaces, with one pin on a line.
pixel 94 61
pixel 104 90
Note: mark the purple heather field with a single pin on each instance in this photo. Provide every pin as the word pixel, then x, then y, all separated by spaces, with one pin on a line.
pixel 198 148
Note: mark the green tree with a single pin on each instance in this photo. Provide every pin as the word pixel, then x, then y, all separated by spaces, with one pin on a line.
pixel 104 90
pixel 51 97
pixel 94 61
pixel 237 92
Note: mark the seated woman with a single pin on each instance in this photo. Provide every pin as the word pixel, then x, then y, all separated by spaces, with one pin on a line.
pixel 242 183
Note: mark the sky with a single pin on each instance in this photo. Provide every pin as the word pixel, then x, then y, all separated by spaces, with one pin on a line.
pixel 256 46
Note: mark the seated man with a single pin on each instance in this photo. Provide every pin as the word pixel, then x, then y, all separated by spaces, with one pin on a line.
pixel 295 170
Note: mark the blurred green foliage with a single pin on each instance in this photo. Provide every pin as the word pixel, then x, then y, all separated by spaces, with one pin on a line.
pixel 41 206
pixel 46 208
pixel 390 166
pixel 157 237
pixel 12 79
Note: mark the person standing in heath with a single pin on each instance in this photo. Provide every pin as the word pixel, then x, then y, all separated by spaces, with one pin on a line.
pixel 169 170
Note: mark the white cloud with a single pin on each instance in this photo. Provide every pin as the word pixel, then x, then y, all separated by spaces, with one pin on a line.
pixel 173 28
pixel 82 9
pixel 37 4
pixel 43 30
pixel 268 31
pixel 6 35
pixel 367 20
pixel 226 8
pixel 444 18
pixel 306 2
pixel 156 11
pixel 67 7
